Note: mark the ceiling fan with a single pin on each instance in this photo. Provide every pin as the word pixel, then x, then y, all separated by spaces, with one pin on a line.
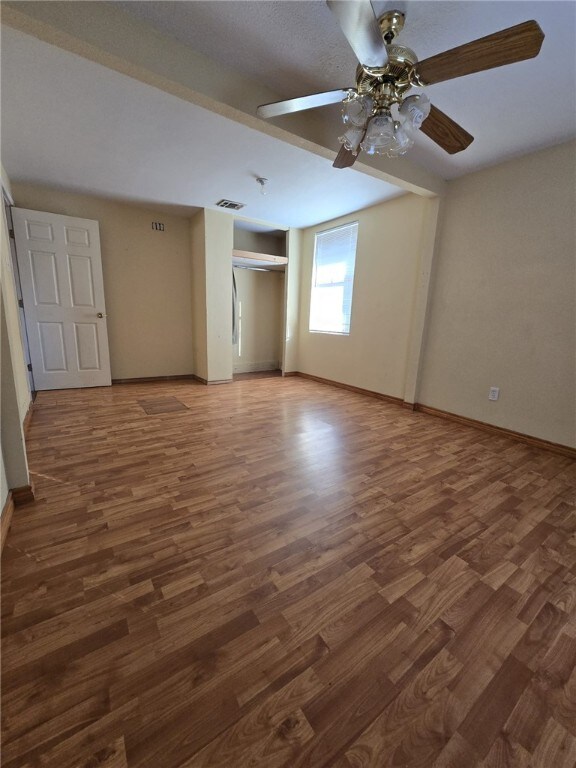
pixel 378 114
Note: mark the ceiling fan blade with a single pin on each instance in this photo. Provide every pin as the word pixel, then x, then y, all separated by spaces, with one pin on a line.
pixel 445 132
pixel 361 29
pixel 277 108
pixel 517 43
pixel 345 158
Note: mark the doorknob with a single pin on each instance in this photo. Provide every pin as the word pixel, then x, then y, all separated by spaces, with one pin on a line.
pixel 100 314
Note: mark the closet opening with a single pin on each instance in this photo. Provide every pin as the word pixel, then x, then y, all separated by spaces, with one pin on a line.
pixel 258 270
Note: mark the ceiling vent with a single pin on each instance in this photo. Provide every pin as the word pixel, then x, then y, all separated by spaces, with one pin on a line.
pixel 230 204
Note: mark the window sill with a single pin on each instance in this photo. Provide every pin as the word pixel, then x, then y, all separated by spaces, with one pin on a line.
pixel 330 333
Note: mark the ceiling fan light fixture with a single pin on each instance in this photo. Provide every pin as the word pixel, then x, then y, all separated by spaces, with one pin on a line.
pixel 379 134
pixel 356 109
pixel 386 136
pixel 415 109
pixel 351 138
pixel 403 141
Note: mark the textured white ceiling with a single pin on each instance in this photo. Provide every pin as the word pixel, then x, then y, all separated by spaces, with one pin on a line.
pixel 296 47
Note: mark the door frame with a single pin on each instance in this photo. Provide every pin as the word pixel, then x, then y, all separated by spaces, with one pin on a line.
pixel 8 203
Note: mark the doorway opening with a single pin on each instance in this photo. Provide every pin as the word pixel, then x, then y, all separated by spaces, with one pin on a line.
pixel 258 264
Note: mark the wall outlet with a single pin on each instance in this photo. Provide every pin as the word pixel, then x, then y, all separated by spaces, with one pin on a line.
pixel 494 393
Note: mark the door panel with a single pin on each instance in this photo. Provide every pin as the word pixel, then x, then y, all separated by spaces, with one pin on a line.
pixel 52 346
pixel 63 293
pixel 44 279
pixel 77 236
pixel 86 337
pixel 81 281
pixel 39 230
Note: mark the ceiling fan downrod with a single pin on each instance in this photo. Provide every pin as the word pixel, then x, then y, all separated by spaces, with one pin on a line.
pixel 391 23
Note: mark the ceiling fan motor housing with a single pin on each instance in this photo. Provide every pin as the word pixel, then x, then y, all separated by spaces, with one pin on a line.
pixel 401 60
pixel 388 84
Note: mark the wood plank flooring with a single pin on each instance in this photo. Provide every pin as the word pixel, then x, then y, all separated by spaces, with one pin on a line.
pixel 284 574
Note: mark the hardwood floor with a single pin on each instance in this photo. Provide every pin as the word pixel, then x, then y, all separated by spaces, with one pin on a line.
pixel 280 573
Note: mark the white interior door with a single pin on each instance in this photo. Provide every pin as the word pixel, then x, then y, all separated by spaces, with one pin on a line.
pixel 63 294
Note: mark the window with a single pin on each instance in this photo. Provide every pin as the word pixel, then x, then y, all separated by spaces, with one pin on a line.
pixel 332 279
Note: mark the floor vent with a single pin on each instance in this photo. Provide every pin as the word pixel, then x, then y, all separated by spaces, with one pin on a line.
pixel 230 204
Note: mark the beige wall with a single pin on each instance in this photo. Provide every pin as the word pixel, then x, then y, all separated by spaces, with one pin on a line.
pixel 199 319
pixel 212 238
pixel 421 306
pixel 12 438
pixel 147 278
pixel 260 305
pixel 503 302
pixel 375 354
pixel 219 238
pixel 260 242
pixel 292 301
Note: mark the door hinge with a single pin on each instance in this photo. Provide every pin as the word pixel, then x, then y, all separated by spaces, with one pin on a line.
pixel 29 366
pixel 11 234
pixel 21 303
